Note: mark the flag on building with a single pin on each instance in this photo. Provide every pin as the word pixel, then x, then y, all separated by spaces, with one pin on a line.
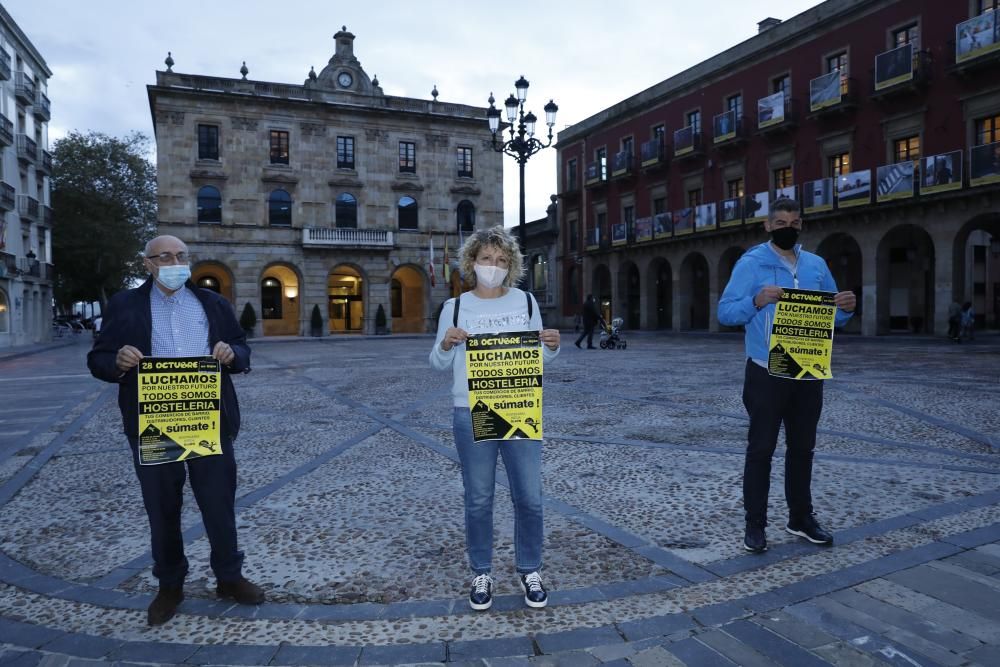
pixel 430 262
pixel 446 262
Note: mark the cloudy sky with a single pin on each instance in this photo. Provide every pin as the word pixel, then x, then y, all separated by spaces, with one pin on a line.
pixel 585 54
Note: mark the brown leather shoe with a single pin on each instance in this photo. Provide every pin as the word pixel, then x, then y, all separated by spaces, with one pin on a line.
pixel 240 590
pixel 164 605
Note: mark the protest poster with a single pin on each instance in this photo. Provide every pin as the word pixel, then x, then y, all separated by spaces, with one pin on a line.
pixel 179 409
pixel 504 372
pixel 801 342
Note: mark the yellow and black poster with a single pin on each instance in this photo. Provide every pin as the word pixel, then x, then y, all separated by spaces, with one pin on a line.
pixel 179 401
pixel 801 341
pixel 505 385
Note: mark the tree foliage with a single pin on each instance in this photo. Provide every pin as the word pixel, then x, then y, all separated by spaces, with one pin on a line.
pixel 104 211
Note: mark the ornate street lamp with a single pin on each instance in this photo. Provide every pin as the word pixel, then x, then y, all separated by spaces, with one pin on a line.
pixel 522 143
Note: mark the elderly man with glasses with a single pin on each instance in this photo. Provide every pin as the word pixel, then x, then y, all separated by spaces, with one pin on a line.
pixel 168 316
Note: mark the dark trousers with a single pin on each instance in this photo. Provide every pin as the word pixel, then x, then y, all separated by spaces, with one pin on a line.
pixel 213 482
pixel 588 333
pixel 771 401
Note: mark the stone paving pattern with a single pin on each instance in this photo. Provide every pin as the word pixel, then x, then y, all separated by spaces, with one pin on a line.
pixel 351 518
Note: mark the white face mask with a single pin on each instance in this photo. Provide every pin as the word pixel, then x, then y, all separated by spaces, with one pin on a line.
pixel 173 276
pixel 490 276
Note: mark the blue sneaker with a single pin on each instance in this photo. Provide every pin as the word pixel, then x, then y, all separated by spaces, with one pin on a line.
pixel 481 595
pixel 534 592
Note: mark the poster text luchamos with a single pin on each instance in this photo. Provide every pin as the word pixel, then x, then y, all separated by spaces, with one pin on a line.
pixel 179 409
pixel 505 385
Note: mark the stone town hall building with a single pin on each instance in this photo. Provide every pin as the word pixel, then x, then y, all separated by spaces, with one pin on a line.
pixel 328 193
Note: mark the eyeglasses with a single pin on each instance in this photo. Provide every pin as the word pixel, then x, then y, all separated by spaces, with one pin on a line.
pixel 165 258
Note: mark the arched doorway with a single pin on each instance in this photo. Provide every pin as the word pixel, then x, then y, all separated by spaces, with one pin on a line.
pixel 976 268
pixel 726 264
pixel 629 294
pixel 602 291
pixel 345 300
pixel 407 303
pixel 694 305
pixel 905 281
pixel 216 277
pixel 843 257
pixel 660 294
pixel 279 301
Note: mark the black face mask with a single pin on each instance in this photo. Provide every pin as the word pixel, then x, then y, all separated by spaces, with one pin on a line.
pixel 785 237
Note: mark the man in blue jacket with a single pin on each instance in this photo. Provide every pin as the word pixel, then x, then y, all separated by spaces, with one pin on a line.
pixel 756 285
pixel 168 316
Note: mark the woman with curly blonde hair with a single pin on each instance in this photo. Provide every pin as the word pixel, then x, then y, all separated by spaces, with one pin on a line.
pixel 491 260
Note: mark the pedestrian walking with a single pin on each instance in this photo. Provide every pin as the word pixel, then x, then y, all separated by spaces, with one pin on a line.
pixel 756 284
pixel 168 316
pixel 968 322
pixel 492 260
pixel 590 317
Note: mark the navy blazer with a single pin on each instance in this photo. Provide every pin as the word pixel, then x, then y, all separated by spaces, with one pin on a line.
pixel 128 320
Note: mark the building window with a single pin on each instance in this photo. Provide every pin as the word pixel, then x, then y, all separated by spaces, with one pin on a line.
pixel 279 147
pixel 659 205
pixel 4 313
pixel 694 197
pixel 466 214
pixel 839 164
pixel 735 103
pixel 734 188
pixel 782 177
pixel 270 298
pixel 571 175
pixel 659 132
pixel 407 210
pixel 279 208
pixel 627 146
pixel 987 130
pixel 346 210
pixel 210 283
pixel 694 121
pixel 395 298
pixel 602 161
pixel 907 35
pixel 539 273
pixel 208 142
pixel 464 156
pixel 209 204
pixel 407 157
pixel 628 216
pixel 906 149
pixel 838 63
pixel 987 5
pixel 345 152
pixel 782 84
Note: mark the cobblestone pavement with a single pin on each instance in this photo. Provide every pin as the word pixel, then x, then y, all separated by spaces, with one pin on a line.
pixel 350 514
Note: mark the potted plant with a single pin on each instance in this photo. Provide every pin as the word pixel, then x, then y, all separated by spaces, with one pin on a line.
pixel 316 322
pixel 380 328
pixel 248 319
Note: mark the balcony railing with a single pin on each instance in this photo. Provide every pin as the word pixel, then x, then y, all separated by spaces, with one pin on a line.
pixel 46 214
pixel 24 88
pixel 976 42
pixel 4 65
pixel 27 207
pixel 900 70
pixel 27 149
pixel 346 237
pixel 8 264
pixel 832 93
pixel 44 164
pixel 778 117
pixel 7 197
pixel 621 165
pixel 42 107
pixel 595 174
pixel 652 153
pixel 6 130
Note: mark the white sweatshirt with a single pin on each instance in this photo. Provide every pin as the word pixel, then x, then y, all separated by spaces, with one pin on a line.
pixel 477 316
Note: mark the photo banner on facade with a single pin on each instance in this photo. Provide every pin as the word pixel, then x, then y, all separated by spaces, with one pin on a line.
pixel 504 372
pixel 801 342
pixel 179 409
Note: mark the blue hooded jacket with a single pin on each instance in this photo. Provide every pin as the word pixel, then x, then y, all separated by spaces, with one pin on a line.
pixel 759 267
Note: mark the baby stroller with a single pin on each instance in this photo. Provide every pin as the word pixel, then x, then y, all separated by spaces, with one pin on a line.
pixel 612 337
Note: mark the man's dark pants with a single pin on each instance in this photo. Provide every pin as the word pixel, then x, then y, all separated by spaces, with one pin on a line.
pixel 213 482
pixel 769 401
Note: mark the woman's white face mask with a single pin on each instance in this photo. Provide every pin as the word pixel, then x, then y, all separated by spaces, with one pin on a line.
pixel 490 277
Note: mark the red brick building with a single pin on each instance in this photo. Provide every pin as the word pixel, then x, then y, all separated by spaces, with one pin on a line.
pixel 881 116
